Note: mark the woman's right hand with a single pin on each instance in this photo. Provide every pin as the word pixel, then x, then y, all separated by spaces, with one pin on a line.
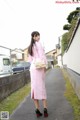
pixel 44 69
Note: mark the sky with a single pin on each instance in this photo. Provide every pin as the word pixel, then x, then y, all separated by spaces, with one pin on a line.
pixel 18 18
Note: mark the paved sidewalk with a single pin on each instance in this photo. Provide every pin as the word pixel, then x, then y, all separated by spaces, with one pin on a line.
pixel 58 107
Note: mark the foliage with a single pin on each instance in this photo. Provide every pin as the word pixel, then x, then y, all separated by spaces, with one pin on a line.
pixel 73 24
pixel 72 19
pixel 55 61
pixel 11 102
pixel 64 42
pixel 71 96
pixel 66 27
pixel 73 15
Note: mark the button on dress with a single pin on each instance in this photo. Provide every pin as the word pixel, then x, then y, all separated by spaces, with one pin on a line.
pixel 38 89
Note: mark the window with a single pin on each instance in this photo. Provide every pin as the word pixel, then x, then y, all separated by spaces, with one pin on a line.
pixel 6 61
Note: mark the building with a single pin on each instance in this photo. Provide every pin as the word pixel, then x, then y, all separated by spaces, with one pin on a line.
pixel 17 55
pixel 59 54
pixel 51 55
pixel 26 54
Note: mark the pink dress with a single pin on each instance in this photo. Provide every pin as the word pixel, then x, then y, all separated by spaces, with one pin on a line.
pixel 38 90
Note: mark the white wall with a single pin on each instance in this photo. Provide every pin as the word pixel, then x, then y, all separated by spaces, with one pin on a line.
pixel 72 57
pixel 59 61
pixel 59 57
pixel 4 51
pixel 18 53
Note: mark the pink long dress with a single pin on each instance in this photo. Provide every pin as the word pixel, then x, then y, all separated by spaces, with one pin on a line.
pixel 38 90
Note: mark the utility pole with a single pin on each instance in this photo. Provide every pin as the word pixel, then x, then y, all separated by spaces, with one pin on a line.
pixel 59 40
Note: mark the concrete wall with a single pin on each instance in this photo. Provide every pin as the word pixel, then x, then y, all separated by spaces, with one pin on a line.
pixel 75 81
pixel 60 61
pixel 71 61
pixel 72 57
pixel 11 83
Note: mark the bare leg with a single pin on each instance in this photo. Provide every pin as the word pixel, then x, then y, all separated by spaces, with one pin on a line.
pixel 38 113
pixel 36 102
pixel 45 107
pixel 44 103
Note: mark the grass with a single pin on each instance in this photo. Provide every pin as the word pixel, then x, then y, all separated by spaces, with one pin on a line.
pixel 71 96
pixel 12 101
pixel 56 66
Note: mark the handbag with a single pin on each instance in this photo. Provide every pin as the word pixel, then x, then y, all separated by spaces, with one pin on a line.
pixel 39 63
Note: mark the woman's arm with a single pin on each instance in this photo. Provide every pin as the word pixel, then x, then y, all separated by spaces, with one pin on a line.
pixel 30 58
pixel 41 51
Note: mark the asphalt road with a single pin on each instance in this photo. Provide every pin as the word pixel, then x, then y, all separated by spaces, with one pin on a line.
pixel 58 107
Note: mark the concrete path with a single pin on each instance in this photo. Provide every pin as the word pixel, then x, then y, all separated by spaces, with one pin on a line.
pixel 58 107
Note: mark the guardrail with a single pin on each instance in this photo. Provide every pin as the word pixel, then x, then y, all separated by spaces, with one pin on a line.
pixel 11 73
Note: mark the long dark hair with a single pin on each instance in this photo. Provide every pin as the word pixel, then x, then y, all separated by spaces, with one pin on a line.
pixel 35 33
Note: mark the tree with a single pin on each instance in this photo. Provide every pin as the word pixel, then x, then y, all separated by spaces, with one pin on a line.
pixel 66 27
pixel 72 19
pixel 64 42
pixel 73 15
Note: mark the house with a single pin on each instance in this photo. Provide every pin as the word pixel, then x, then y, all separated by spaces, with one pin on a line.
pixel 51 55
pixel 17 55
pixel 26 54
pixel 13 58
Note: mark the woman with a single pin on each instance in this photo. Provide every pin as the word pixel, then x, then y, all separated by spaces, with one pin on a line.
pixel 38 90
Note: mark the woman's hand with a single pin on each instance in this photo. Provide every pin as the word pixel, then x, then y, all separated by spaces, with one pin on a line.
pixel 44 69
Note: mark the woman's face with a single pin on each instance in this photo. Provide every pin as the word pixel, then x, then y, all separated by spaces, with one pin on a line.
pixel 36 38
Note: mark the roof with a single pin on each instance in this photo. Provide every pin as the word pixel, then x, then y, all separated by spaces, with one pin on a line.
pixel 25 48
pixel 51 51
pixel 74 32
pixel 16 49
